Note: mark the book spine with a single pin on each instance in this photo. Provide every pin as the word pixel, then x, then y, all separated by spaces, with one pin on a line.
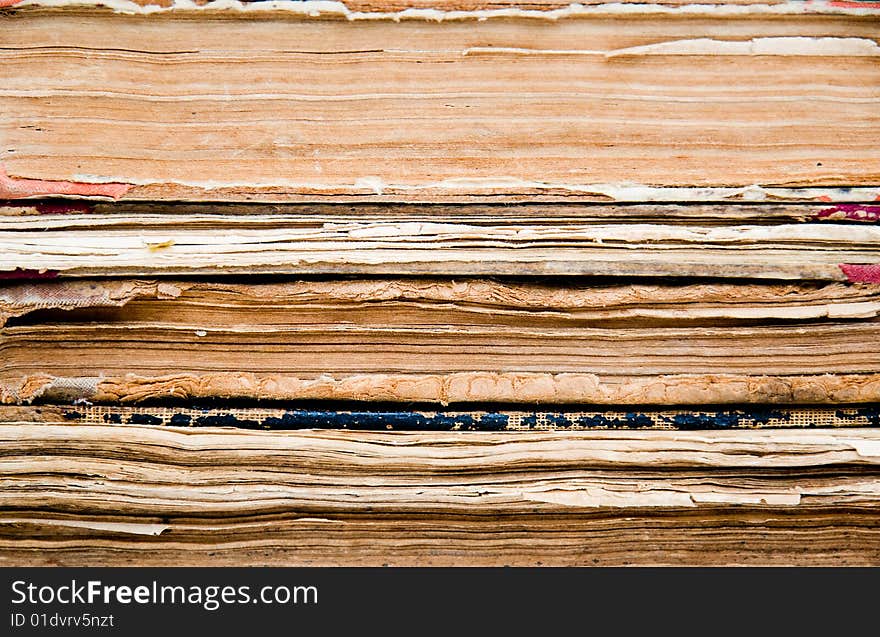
pixel 395 419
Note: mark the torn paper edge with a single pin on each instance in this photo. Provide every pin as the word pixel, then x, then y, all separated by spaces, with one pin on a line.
pixel 333 9
pixel 374 186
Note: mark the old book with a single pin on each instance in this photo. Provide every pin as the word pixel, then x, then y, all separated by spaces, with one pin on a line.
pixel 440 101
pixel 832 242
pixel 123 495
pixel 442 341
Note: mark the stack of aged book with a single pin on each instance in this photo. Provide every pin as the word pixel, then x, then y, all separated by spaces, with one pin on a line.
pixel 439 282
